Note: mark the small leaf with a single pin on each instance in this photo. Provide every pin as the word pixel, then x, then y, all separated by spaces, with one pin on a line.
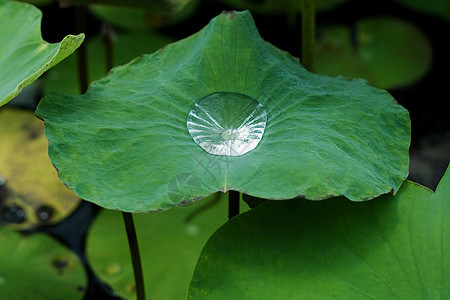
pixel 122 143
pixel 394 247
pixel 38 267
pixel 388 52
pixel 24 56
pixel 169 242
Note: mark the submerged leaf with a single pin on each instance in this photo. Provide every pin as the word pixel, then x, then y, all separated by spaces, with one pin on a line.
pixel 24 56
pixel 122 143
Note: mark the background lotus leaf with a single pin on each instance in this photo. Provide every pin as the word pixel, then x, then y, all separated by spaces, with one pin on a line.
pixel 157 14
pixel 123 142
pixel 63 77
pixel 38 267
pixel 24 56
pixel 30 192
pixel 169 242
pixel 393 247
pixel 388 52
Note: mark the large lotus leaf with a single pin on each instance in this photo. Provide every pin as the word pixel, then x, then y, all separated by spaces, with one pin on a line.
pixel 38 267
pixel 30 192
pixel 126 46
pixel 125 143
pixel 394 247
pixel 169 242
pixel 24 55
pixel 388 52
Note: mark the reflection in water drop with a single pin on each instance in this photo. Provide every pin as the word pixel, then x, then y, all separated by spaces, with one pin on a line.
pixel 227 123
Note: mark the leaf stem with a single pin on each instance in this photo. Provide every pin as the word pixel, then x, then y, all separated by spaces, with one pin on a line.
pixel 80 16
pixel 135 256
pixel 107 34
pixel 308 34
pixel 233 204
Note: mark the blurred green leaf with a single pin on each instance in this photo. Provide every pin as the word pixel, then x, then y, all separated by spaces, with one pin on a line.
pixel 38 267
pixel 169 242
pixel 393 247
pixel 160 13
pixel 24 56
pixel 388 52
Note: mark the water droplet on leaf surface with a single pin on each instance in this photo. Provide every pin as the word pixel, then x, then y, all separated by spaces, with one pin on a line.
pixel 227 123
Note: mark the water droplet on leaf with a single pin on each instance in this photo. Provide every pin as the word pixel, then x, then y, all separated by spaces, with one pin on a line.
pixel 227 123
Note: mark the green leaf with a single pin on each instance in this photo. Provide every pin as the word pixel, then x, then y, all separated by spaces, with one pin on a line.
pixel 394 247
pixel 29 184
pixel 169 242
pixel 38 267
pixel 123 142
pixel 24 56
pixel 388 52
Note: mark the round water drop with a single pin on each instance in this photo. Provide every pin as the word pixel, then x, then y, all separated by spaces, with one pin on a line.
pixel 227 123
